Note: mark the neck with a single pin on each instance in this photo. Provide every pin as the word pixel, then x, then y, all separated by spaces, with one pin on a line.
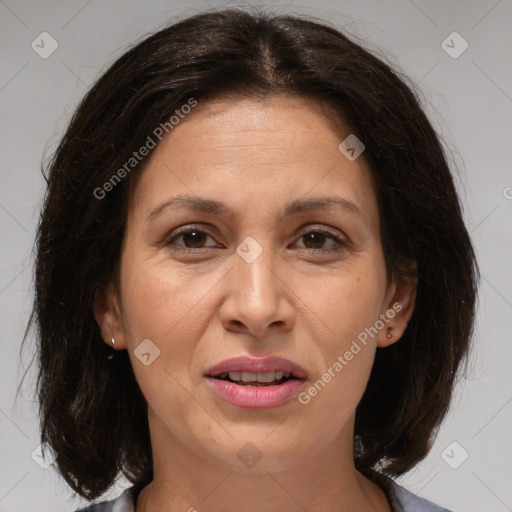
pixel 192 480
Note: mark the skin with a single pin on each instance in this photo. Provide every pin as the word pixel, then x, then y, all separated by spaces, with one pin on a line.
pixel 200 308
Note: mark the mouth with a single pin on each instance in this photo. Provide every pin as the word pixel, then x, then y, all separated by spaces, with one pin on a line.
pixel 254 383
pixel 271 378
pixel 263 371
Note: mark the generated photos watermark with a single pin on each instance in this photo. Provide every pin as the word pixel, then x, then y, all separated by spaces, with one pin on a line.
pixel 144 150
pixel 343 360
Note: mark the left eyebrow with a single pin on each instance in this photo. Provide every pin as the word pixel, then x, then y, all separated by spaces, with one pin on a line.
pixel 300 206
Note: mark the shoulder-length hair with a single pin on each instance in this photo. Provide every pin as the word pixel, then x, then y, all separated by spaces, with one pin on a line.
pixel 92 411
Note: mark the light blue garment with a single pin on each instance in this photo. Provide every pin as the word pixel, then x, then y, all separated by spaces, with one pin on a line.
pixel 400 498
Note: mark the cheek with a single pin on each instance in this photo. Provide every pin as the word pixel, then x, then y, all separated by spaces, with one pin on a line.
pixel 351 301
pixel 349 305
pixel 159 301
pixel 335 391
pixel 172 308
pixel 164 307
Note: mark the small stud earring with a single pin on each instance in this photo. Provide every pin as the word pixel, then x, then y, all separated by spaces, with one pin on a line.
pixel 110 356
pixel 389 333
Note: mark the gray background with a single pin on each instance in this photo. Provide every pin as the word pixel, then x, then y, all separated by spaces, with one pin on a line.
pixel 469 100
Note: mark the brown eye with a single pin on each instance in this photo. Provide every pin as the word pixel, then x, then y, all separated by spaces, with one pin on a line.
pixel 314 240
pixel 193 238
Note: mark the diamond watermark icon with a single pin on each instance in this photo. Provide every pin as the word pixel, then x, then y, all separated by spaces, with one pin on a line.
pixel 146 352
pixel 44 455
pixel 249 455
pixel 454 455
pixel 454 45
pixel 249 249
pixel 351 147
pixel 44 45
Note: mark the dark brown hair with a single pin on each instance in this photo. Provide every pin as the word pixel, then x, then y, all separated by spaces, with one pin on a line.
pixel 92 411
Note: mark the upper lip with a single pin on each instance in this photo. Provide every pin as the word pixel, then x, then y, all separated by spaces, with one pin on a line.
pixel 257 365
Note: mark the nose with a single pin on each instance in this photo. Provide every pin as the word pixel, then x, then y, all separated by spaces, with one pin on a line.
pixel 258 297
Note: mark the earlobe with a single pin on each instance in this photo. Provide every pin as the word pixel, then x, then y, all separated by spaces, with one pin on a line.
pixel 399 309
pixel 108 316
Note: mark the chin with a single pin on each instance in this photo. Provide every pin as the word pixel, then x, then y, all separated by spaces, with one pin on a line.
pixel 257 450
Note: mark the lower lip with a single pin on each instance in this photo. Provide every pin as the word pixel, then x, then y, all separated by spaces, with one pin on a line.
pixel 256 397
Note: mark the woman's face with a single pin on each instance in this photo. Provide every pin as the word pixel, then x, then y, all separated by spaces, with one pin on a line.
pixel 252 279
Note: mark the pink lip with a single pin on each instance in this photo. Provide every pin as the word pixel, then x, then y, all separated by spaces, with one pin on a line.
pixel 253 397
pixel 257 365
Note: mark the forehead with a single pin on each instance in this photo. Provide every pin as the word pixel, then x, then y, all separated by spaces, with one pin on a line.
pixel 245 151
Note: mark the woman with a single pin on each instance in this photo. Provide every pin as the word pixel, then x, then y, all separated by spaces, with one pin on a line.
pixel 254 286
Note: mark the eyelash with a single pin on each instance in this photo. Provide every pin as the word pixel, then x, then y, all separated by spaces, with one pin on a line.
pixel 196 228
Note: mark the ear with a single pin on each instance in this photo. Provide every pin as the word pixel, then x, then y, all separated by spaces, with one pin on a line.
pixel 399 306
pixel 108 316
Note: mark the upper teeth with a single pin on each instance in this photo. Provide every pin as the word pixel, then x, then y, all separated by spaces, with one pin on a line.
pixel 255 377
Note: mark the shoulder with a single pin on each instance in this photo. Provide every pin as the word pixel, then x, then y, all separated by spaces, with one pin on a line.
pixel 403 500
pixel 123 503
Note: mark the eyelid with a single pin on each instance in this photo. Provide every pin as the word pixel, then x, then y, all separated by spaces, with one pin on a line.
pixel 322 228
